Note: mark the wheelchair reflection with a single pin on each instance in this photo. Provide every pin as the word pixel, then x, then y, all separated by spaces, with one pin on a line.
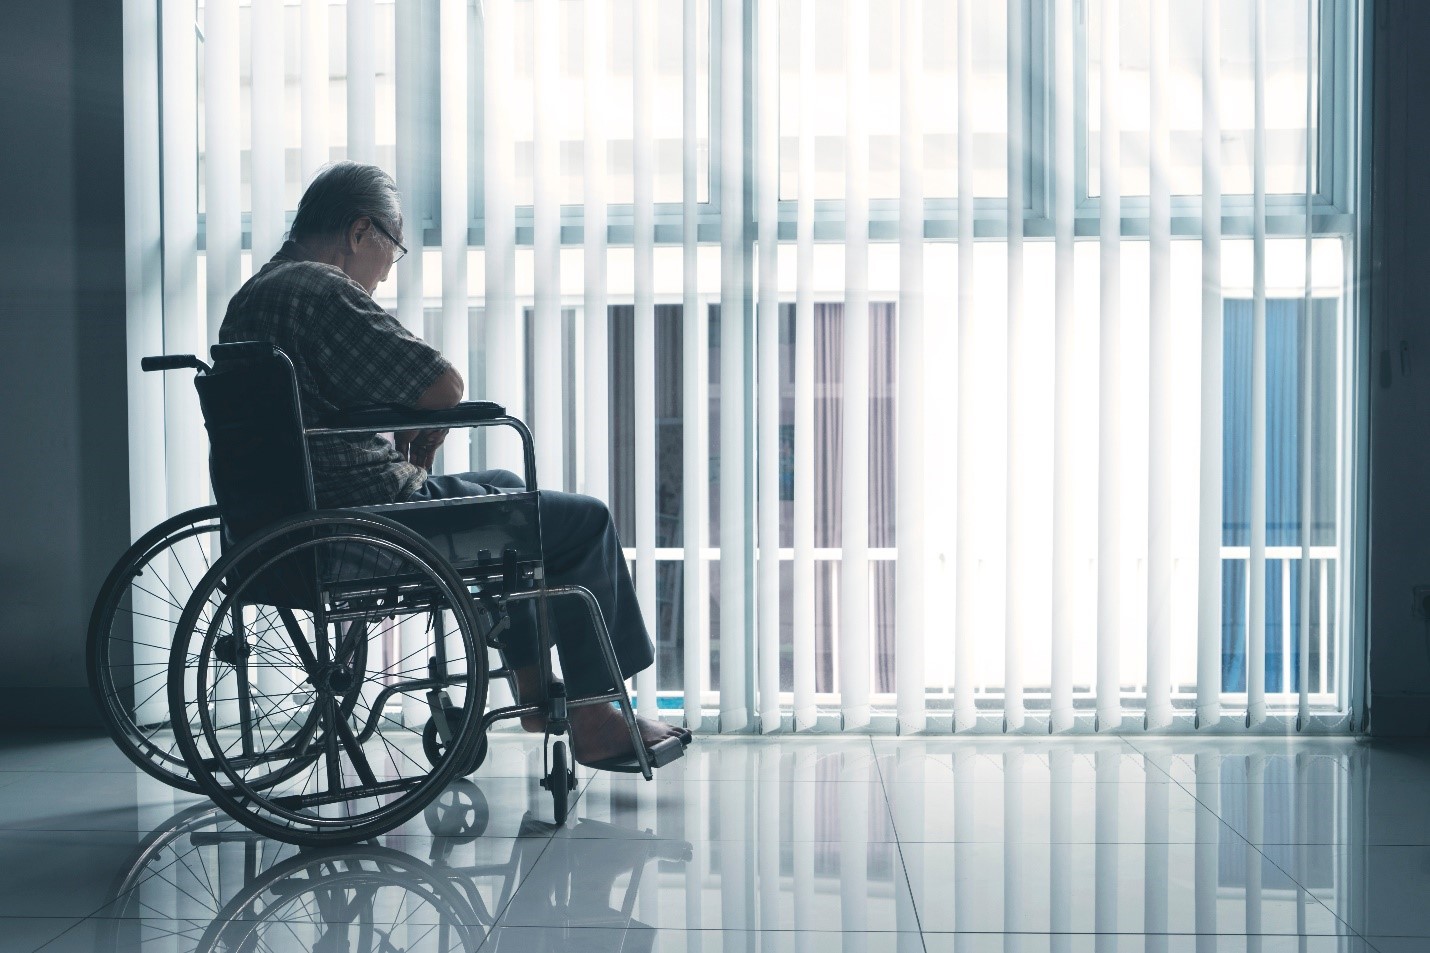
pixel 201 883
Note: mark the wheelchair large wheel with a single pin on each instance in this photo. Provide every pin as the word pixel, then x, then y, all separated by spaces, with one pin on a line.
pixel 303 654
pixel 131 630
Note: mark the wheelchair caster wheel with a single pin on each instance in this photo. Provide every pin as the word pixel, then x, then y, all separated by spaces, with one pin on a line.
pixel 460 813
pixel 560 782
pixel 436 749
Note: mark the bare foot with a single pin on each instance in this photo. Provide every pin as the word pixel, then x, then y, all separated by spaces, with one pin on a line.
pixel 599 733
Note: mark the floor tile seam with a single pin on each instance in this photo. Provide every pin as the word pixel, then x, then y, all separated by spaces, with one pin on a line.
pixel 893 826
pixel 549 839
pixel 1300 886
pixel 1192 792
pixel 1127 740
pixel 1253 847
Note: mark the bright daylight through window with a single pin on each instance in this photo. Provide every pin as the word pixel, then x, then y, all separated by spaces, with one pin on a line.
pixel 948 364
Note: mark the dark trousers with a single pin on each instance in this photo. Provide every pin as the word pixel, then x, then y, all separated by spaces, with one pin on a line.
pixel 580 546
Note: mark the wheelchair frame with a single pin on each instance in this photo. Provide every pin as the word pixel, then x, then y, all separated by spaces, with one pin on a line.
pixel 487 588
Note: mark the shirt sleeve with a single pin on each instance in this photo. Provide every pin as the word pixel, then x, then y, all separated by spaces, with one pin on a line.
pixel 361 355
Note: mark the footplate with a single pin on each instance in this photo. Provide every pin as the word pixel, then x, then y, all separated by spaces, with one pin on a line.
pixel 660 754
pixel 664 752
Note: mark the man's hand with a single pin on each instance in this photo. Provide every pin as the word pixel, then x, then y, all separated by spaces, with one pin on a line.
pixel 419 447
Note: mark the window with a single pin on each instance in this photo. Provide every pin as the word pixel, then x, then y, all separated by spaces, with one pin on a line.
pixel 678 232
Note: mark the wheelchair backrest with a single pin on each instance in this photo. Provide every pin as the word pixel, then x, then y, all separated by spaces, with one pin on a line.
pixel 258 454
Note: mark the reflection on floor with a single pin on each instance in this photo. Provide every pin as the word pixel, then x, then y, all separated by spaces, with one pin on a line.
pixel 760 844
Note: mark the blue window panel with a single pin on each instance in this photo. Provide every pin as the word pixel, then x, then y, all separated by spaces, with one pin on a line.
pixel 1287 338
pixel 1233 625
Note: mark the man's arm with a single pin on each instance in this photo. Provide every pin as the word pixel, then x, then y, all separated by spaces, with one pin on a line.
pixel 420 446
pixel 445 391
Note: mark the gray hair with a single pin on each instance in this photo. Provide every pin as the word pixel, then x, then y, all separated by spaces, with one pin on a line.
pixel 342 193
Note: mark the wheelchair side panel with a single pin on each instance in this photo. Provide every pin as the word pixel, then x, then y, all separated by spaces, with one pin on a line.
pixel 473 532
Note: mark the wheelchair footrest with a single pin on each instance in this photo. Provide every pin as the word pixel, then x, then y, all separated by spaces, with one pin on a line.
pixel 660 754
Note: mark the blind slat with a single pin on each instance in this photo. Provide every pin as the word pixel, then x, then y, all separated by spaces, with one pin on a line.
pixel 854 566
pixel 1067 620
pixel 409 59
pixel 1209 563
pixel 505 370
pixel 965 636
pixel 803 609
pixel 267 115
pixel 186 458
pixel 546 358
pixel 362 81
pixel 1017 625
pixel 223 222
pixel 143 267
pixel 768 367
pixel 1109 374
pixel 452 99
pixel 644 241
pixel 909 615
pixel 1159 377
pixel 144 310
pixel 187 476
pixel 734 700
pixel 313 86
pixel 1303 633
pixel 1256 611
pixel 695 449
pixel 596 469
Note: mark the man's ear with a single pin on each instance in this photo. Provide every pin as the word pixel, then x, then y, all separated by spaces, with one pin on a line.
pixel 358 231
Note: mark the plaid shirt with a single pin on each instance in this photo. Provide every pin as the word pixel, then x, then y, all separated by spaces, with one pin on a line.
pixel 348 352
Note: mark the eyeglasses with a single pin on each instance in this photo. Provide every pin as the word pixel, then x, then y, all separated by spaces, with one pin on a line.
pixel 401 248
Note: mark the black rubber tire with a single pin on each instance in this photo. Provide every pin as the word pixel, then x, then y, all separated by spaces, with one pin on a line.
pixel 559 782
pixel 155 751
pixel 253 808
pixel 436 749
pixel 160 760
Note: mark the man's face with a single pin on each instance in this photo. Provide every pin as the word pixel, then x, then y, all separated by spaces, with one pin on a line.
pixel 370 254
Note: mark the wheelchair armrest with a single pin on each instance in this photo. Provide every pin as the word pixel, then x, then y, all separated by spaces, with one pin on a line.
pixel 385 417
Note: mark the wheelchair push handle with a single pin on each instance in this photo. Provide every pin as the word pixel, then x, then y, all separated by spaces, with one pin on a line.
pixel 173 362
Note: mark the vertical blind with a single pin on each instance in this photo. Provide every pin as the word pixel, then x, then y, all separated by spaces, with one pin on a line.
pixel 969 377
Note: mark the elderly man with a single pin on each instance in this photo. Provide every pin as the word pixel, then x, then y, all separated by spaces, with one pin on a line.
pixel 314 300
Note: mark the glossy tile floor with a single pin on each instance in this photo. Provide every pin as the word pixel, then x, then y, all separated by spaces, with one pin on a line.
pixel 863 843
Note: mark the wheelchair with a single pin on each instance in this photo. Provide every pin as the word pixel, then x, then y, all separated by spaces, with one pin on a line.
pixel 322 675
